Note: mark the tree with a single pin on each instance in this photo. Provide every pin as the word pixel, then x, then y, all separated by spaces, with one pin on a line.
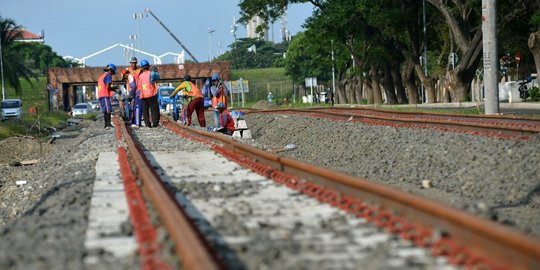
pixel 13 61
pixel 534 38
pixel 254 53
pixel 39 57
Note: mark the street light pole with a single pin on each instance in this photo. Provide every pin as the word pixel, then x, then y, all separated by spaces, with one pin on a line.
pixel 210 31
pixel 138 17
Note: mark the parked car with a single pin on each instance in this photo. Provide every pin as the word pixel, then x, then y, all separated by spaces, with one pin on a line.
pixel 94 104
pixel 11 108
pixel 81 108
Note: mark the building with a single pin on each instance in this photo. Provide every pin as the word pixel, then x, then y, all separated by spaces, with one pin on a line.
pixel 27 36
pixel 251 27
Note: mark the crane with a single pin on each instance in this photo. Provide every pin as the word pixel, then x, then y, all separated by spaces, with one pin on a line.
pixel 174 37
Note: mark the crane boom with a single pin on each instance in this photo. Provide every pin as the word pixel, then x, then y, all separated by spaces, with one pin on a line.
pixel 174 37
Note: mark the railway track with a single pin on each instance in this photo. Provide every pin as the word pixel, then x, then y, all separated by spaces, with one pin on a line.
pixel 503 127
pixel 464 239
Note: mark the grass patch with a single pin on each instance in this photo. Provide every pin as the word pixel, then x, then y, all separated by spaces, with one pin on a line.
pixel 33 94
pixel 262 81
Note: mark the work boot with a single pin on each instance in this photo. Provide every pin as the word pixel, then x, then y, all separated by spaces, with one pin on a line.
pixel 107 120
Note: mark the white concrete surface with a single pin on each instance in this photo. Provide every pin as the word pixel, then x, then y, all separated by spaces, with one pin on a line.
pixel 108 211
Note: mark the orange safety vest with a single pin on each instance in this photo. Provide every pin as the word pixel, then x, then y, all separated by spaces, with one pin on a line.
pixel 193 90
pixel 135 73
pixel 147 89
pixel 103 90
pixel 230 124
pixel 222 97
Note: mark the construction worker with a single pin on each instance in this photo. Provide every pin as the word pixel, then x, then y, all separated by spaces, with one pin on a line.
pixel 226 121
pixel 149 98
pixel 195 99
pixel 105 91
pixel 220 93
pixel 134 70
pixel 134 96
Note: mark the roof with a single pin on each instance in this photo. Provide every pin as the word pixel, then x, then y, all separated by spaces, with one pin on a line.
pixel 25 35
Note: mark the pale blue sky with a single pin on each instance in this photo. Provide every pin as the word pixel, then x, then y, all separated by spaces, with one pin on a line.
pixel 81 27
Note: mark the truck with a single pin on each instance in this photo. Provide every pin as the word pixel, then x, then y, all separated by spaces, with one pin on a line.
pixel 170 106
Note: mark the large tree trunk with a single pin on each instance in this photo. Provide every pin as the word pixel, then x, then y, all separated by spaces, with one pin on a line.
pixel 462 76
pixel 398 83
pixel 410 82
pixel 377 96
pixel 388 83
pixel 534 46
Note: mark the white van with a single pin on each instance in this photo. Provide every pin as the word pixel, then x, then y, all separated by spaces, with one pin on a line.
pixel 11 108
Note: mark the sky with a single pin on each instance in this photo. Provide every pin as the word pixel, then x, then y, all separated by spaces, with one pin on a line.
pixel 79 28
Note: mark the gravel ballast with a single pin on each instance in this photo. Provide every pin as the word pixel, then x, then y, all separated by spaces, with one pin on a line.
pixel 43 222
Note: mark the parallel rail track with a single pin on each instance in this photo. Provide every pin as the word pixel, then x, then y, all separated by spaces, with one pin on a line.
pixel 466 240
pixel 502 127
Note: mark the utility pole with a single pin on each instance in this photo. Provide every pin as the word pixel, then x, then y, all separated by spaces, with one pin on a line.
pixel 489 42
pixel 2 68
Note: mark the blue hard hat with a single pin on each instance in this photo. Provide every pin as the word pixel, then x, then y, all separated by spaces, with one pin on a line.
pixel 111 67
pixel 215 77
pixel 220 105
pixel 144 63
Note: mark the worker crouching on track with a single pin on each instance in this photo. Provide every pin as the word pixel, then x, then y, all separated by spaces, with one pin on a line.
pixel 149 98
pixel 105 91
pixel 226 121
pixel 195 98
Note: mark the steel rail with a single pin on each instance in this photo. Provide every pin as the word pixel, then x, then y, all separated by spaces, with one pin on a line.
pixel 190 245
pixel 471 126
pixel 501 244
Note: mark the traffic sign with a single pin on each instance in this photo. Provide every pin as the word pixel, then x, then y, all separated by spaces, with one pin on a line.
pixel 518 58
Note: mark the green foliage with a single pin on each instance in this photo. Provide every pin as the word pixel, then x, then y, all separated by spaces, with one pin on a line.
pixel 266 54
pixel 38 57
pixel 534 93
pixel 14 62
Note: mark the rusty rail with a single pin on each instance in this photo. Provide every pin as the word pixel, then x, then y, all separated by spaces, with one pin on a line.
pixel 191 247
pixel 482 238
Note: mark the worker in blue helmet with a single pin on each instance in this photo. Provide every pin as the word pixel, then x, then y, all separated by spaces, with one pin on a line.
pixel 149 97
pixel 220 93
pixel 106 90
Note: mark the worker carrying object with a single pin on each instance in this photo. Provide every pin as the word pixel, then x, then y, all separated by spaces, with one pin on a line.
pixel 195 99
pixel 226 121
pixel 220 93
pixel 105 91
pixel 133 97
pixel 149 98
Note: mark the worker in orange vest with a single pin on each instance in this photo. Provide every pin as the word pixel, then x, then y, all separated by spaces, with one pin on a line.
pixel 195 98
pixel 220 93
pixel 149 98
pixel 226 121
pixel 105 91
